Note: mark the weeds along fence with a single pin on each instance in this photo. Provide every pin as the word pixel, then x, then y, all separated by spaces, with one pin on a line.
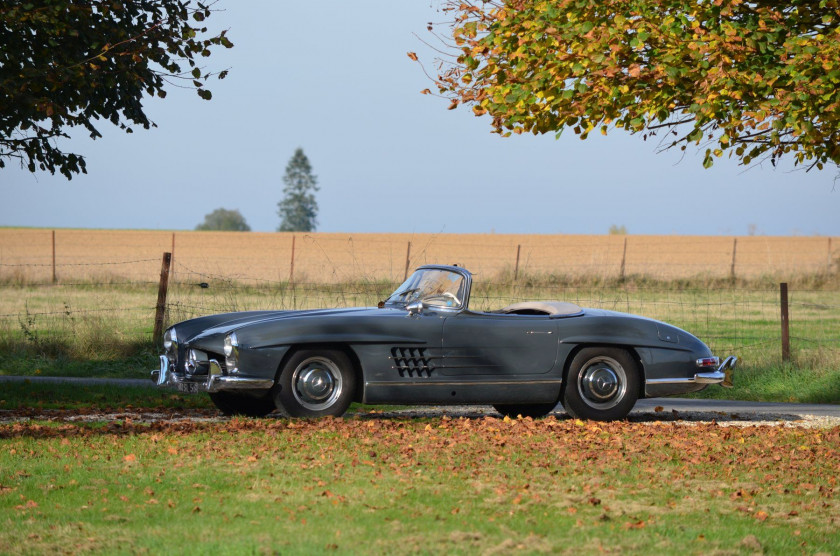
pixel 740 319
pixel 92 304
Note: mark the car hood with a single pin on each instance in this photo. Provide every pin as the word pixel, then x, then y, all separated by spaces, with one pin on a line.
pixel 219 325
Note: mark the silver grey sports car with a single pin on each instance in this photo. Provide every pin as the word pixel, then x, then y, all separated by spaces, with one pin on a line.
pixel 423 345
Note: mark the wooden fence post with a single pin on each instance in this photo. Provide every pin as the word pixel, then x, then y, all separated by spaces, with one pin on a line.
pixel 160 309
pixel 407 261
pixel 292 275
pixel 783 291
pixel 734 252
pixel 623 261
pixel 516 267
pixel 292 263
pixel 172 258
pixel 828 257
pixel 54 279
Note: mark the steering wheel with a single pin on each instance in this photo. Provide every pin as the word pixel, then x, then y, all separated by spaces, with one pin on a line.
pixel 446 294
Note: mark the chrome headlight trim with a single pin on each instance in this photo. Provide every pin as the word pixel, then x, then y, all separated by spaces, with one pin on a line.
pixel 231 343
pixel 170 344
pixel 170 339
pixel 231 350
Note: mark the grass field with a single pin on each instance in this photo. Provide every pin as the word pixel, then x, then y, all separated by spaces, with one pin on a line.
pixel 417 486
pixel 741 319
pixel 105 330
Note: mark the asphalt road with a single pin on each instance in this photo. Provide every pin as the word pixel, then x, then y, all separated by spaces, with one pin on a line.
pixel 712 409
pixel 684 405
pixel 79 380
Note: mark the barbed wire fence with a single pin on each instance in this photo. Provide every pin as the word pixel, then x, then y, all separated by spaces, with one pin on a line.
pixel 57 291
pixel 51 256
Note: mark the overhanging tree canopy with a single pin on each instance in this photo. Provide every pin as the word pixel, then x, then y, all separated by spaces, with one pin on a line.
pixel 67 63
pixel 751 79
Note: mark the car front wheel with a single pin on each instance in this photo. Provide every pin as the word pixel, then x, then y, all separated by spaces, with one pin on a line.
pixel 315 383
pixel 603 384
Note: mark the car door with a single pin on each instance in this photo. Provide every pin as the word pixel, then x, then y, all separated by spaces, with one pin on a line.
pixel 497 344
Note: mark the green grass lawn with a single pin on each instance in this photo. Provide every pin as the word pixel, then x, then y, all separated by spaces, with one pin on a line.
pixel 416 486
pixel 780 383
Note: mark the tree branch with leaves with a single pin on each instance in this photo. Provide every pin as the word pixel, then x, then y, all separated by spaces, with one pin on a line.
pixel 71 63
pixel 751 80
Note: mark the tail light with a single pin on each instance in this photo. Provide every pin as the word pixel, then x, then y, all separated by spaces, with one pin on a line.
pixel 707 362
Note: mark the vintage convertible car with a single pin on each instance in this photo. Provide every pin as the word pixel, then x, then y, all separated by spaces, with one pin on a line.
pixel 423 345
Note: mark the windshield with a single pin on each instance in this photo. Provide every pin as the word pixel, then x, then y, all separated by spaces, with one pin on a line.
pixel 442 288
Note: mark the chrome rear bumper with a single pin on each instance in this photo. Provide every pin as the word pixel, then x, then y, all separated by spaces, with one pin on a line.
pixel 722 375
pixel 215 380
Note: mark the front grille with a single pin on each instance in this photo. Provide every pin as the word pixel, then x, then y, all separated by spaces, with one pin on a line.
pixel 412 361
pixel 202 367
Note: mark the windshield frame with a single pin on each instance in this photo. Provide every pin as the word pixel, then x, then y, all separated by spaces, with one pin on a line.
pixel 399 297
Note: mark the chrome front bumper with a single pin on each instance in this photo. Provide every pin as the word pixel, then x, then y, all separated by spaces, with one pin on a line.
pixel 722 375
pixel 215 381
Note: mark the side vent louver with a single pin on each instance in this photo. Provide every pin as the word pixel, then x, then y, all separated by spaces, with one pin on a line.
pixel 412 361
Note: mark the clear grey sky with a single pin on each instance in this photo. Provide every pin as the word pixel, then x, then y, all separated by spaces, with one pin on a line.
pixel 333 78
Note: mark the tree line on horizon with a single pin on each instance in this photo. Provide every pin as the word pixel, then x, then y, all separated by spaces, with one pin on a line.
pixel 298 210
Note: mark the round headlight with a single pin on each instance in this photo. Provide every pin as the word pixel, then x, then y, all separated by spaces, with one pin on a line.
pixel 169 339
pixel 230 343
pixel 231 352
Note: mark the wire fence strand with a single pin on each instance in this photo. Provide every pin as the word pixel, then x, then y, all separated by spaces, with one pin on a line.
pixel 729 315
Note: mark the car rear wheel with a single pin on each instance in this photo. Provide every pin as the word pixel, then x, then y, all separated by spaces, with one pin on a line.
pixel 315 383
pixel 243 404
pixel 533 410
pixel 603 384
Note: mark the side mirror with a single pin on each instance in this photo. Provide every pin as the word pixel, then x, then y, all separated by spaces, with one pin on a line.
pixel 414 308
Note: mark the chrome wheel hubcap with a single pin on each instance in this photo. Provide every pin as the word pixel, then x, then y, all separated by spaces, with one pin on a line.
pixel 602 383
pixel 317 383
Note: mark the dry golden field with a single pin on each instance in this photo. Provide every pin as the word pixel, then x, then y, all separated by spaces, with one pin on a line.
pixel 27 255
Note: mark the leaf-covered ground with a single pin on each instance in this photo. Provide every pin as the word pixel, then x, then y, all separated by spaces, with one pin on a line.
pixel 442 485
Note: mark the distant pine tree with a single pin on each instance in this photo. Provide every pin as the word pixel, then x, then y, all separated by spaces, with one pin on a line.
pixel 298 210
